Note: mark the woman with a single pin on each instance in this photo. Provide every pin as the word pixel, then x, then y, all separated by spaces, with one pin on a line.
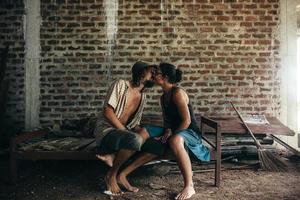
pixel 180 128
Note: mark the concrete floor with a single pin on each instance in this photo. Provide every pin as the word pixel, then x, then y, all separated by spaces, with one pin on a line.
pixel 82 180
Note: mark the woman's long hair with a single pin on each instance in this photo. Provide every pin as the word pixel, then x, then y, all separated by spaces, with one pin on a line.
pixel 168 70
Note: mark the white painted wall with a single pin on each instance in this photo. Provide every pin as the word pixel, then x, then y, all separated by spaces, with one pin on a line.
pixel 289 69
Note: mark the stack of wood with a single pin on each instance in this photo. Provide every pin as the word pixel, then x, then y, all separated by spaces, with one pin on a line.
pixel 4 83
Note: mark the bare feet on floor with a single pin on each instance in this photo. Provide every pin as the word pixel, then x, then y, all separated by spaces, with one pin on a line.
pixel 112 186
pixel 108 159
pixel 186 193
pixel 122 180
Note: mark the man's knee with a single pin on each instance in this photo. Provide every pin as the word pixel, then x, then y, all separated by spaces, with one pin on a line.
pixel 176 141
pixel 137 141
pixel 144 134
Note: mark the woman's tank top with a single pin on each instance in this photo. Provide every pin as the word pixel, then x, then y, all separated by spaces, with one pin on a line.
pixel 172 115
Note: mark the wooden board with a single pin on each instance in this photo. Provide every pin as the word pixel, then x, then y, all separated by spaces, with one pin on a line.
pixel 58 144
pixel 233 125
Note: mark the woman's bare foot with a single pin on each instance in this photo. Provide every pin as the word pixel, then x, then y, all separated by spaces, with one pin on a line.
pixel 186 193
pixel 108 158
pixel 112 185
pixel 124 182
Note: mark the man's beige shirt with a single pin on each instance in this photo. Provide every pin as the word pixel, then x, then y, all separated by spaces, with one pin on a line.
pixel 117 98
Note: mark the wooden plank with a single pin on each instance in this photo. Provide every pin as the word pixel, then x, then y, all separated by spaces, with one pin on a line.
pixel 66 144
pixel 29 135
pixel 49 155
pixel 58 144
pixel 83 144
pixel 91 147
pixel 296 152
pixel 232 125
pixel 3 61
pixel 4 84
pixel 209 122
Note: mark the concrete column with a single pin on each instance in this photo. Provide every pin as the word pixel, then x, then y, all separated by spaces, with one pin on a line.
pixel 289 69
pixel 32 21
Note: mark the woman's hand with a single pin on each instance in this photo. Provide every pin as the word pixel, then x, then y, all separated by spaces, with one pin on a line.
pixel 166 135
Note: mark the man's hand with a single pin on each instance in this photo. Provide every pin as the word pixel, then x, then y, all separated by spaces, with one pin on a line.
pixel 110 115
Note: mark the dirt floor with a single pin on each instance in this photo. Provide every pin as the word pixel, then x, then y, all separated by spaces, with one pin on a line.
pixel 82 180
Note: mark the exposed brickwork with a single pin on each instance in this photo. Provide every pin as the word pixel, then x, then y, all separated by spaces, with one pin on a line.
pixel 11 33
pixel 228 50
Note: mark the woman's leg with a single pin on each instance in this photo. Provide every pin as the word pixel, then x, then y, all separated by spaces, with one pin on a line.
pixel 141 160
pixel 177 145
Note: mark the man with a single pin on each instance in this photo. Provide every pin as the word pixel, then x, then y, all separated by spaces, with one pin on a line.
pixel 118 134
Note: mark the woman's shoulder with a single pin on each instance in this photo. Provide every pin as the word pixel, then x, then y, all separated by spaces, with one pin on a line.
pixel 179 93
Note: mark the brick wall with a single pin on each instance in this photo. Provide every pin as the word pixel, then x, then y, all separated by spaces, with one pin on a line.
pixel 227 49
pixel 11 33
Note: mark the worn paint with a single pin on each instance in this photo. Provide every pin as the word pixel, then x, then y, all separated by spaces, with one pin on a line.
pixel 32 60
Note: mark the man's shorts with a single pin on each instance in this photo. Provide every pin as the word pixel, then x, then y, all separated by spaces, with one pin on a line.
pixel 117 139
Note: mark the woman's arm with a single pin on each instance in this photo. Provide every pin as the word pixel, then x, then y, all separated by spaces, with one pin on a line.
pixel 180 98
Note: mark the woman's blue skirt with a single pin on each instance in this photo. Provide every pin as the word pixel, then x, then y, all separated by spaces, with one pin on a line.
pixel 192 141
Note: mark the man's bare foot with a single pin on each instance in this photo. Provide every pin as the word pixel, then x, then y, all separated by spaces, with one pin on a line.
pixel 124 182
pixel 186 193
pixel 108 159
pixel 112 185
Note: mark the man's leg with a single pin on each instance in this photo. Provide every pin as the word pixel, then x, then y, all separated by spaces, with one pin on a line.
pixel 143 133
pixel 114 140
pixel 184 163
pixel 128 143
pixel 141 160
pixel 151 149
pixel 107 159
pixel 111 176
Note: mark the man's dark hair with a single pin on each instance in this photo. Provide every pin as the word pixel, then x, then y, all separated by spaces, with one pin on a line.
pixel 138 75
pixel 136 78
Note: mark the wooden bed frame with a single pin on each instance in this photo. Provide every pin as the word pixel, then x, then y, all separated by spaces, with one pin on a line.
pixel 17 155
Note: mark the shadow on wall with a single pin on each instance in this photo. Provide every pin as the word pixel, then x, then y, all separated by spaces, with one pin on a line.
pixel 7 125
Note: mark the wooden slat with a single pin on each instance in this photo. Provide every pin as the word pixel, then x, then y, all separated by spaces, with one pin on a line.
pixel 295 151
pixel 232 125
pixel 209 122
pixel 29 135
pixel 48 155
pixel 3 61
pixel 57 144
